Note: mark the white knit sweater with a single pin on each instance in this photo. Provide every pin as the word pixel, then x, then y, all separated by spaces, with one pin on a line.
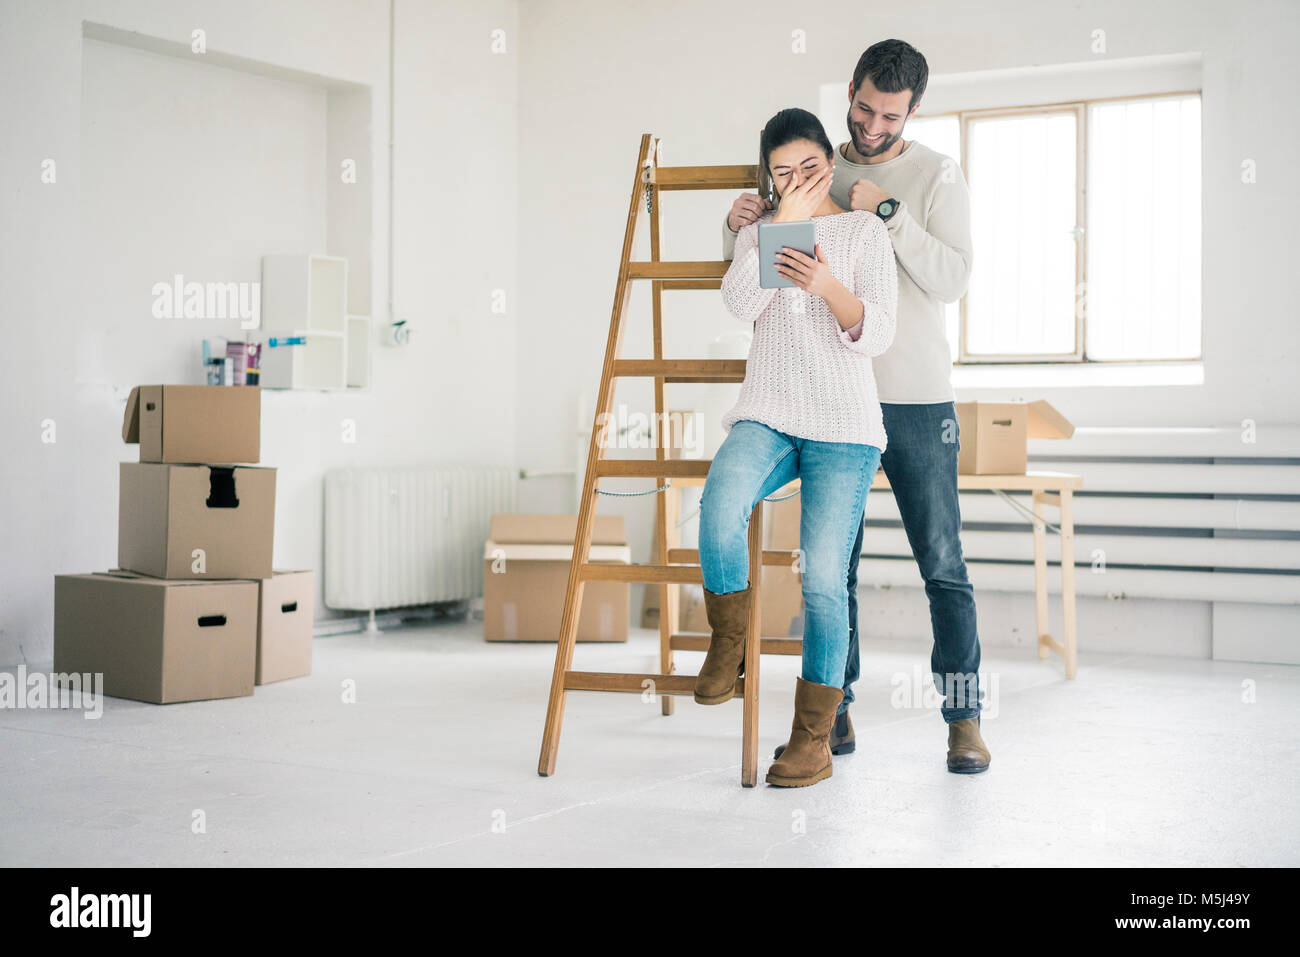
pixel 806 376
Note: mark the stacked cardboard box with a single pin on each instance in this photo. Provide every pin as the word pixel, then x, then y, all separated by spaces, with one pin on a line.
pixel 526 564
pixel 194 610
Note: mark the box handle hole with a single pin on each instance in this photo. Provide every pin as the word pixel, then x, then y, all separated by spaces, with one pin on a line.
pixel 210 621
pixel 221 492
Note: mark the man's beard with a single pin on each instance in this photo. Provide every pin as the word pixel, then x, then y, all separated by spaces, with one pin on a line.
pixel 865 149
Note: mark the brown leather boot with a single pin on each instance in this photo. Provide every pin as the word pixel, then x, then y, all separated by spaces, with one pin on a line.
pixel 842 739
pixel 729 618
pixel 966 751
pixel 807 757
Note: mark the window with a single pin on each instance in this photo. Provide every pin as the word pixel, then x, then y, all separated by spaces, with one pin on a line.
pixel 1086 225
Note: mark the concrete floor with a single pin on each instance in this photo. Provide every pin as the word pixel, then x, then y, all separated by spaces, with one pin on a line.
pixel 1140 761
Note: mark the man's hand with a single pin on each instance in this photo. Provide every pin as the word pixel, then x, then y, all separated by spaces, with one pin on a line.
pixel 866 195
pixel 745 210
pixel 810 275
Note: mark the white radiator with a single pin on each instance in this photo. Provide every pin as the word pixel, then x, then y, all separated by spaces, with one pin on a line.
pixel 410 536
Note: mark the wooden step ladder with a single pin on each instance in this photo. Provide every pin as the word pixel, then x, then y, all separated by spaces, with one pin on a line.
pixel 672 566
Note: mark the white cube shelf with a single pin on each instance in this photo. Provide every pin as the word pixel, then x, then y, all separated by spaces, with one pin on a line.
pixel 320 363
pixel 304 292
pixel 358 350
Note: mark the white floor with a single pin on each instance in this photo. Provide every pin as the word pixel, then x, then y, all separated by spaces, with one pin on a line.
pixel 1140 761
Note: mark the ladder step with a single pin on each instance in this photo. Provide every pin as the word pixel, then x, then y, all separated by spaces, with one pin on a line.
pixel 653 468
pixel 650 574
pixel 691 556
pixel 690 283
pixel 683 370
pixel 768 646
pixel 658 269
pixel 706 177
pixel 610 681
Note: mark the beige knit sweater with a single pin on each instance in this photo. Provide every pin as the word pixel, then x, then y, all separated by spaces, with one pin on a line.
pixel 806 375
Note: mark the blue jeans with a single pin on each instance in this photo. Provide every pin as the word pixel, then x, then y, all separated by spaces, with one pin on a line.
pixel 922 471
pixel 754 461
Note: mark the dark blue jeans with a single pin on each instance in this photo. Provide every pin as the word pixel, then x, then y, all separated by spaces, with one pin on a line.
pixel 920 461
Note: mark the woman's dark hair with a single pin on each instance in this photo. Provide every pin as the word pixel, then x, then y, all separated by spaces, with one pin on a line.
pixel 894 66
pixel 786 127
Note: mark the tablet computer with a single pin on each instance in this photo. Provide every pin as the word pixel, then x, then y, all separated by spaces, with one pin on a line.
pixel 771 238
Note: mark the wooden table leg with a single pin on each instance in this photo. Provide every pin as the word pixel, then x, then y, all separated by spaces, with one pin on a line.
pixel 1067 583
pixel 1040 576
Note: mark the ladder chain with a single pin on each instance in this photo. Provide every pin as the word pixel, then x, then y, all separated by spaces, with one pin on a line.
pixel 647 177
pixel 665 487
pixel 697 510
pixel 601 491
pixel 784 497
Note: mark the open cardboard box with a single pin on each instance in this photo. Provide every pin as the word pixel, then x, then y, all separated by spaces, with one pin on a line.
pixel 194 423
pixel 994 435
pixel 157 640
pixel 526 573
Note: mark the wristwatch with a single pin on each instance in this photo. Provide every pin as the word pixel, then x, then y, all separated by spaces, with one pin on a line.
pixel 887 208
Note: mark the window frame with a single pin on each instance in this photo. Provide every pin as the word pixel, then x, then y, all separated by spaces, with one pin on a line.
pixel 1080 107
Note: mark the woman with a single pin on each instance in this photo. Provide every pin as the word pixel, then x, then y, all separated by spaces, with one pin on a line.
pixel 807 409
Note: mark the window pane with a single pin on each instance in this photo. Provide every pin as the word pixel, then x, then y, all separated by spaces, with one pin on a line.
pixel 1023 213
pixel 941 133
pixel 1144 229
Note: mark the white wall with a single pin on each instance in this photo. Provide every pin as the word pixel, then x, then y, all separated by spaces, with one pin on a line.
pixel 533 151
pixel 706 76
pixel 75 336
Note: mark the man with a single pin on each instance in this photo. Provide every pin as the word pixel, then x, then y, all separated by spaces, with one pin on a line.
pixel 924 201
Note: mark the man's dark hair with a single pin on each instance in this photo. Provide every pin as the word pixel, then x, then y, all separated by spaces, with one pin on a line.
pixel 894 66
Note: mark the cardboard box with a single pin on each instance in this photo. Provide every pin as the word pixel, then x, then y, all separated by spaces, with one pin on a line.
pixel 994 435
pixel 781 597
pixel 526 574
pixel 156 640
pixel 167 512
pixel 285 605
pixel 555 529
pixel 201 424
pixel 684 429
pixel 780 615
pixel 781 519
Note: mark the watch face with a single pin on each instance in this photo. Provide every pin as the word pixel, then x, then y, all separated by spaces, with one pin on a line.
pixel 886 208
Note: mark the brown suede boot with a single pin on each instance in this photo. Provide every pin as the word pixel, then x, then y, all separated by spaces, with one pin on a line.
pixel 966 751
pixel 842 739
pixel 807 756
pixel 729 618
